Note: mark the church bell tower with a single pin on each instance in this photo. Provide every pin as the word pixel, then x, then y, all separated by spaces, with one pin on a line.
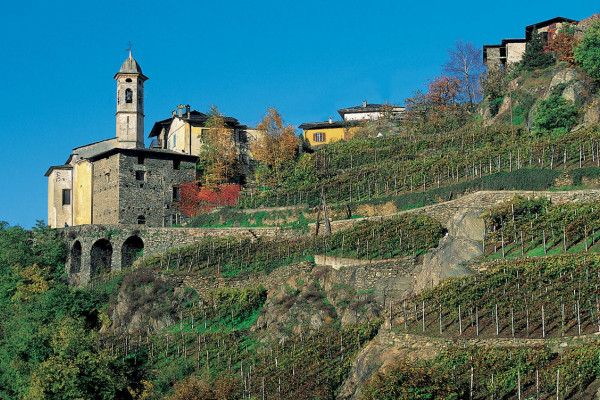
pixel 130 104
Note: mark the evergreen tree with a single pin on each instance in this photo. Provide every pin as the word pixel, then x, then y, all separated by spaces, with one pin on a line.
pixel 535 57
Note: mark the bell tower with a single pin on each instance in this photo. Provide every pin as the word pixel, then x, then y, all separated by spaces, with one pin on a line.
pixel 130 104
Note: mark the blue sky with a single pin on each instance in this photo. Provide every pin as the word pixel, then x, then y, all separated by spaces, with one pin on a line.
pixel 306 58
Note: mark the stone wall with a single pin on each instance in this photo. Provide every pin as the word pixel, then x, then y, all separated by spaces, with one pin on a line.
pixel 109 241
pixel 382 280
pixel 146 187
pixel 475 202
pixel 105 189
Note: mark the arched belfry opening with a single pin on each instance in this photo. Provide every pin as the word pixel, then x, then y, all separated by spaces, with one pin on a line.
pixel 131 250
pixel 100 256
pixel 75 265
pixel 128 96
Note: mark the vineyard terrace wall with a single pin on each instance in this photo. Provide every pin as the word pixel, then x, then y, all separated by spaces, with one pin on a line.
pixel 95 249
pixel 479 201
pixel 383 281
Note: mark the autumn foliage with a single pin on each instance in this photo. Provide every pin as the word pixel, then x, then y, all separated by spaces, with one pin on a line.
pixel 562 42
pixel 277 143
pixel 438 107
pixel 195 200
pixel 219 156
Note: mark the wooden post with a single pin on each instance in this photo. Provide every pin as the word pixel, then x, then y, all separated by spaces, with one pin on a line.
pixel 512 322
pixel 459 321
pixel 544 236
pixel 497 332
pixel 557 383
pixel 440 319
pixel 543 323
pixel 423 315
pixel 578 319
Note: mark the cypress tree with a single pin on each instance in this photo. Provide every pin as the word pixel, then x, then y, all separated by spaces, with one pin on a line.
pixel 534 56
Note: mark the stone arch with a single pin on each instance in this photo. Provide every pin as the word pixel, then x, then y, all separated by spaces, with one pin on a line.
pixel 75 258
pixel 100 257
pixel 131 250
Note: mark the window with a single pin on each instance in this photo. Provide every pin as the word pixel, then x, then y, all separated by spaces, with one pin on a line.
pixel 174 140
pixel 128 96
pixel 319 136
pixel 141 220
pixel 128 80
pixel 176 164
pixel 141 159
pixel 175 193
pixel 140 175
pixel 66 197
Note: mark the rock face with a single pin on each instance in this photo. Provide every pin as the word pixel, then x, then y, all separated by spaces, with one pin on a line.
pixel 461 244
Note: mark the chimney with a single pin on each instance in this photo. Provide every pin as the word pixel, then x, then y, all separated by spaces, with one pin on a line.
pixel 364 103
pixel 173 113
pixel 187 111
pixel 330 120
pixel 180 109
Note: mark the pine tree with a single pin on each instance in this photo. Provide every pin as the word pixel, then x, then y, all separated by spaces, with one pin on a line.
pixel 535 57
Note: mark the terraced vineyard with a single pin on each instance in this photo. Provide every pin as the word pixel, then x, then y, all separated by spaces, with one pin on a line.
pixel 404 235
pixel 367 169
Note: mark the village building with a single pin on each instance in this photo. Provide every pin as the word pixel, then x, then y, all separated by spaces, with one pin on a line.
pixel 186 132
pixel 118 180
pixel 320 133
pixel 511 51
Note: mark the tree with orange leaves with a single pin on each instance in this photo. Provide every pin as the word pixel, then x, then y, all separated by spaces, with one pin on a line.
pixel 562 42
pixel 443 92
pixel 276 143
pixel 437 110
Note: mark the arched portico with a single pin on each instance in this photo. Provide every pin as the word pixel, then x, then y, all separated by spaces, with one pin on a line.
pixel 100 257
pixel 131 249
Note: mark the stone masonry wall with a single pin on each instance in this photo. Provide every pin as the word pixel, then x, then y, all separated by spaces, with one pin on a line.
pixel 105 189
pixel 155 240
pixel 150 197
pixel 479 201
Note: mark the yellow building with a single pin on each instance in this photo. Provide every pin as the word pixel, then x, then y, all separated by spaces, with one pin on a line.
pixel 186 130
pixel 320 133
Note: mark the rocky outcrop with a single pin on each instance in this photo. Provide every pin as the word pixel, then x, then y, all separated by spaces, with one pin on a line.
pixel 461 245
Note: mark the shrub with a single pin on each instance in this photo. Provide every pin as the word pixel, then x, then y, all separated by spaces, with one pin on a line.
pixel 555 112
pixel 587 54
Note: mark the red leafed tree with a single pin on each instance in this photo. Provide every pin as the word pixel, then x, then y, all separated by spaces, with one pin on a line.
pixel 562 42
pixel 443 92
pixel 195 200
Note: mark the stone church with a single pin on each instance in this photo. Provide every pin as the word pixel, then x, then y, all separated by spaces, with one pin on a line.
pixel 119 180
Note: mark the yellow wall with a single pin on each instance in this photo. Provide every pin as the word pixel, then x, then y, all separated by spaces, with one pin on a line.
pixel 82 192
pixel 331 134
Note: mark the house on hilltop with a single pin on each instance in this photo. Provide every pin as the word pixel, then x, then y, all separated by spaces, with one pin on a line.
pixel 320 133
pixel 118 180
pixel 510 51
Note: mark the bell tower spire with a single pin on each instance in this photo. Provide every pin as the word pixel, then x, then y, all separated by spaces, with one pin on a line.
pixel 130 104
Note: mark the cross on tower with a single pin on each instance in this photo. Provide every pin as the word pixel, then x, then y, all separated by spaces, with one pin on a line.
pixel 129 46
